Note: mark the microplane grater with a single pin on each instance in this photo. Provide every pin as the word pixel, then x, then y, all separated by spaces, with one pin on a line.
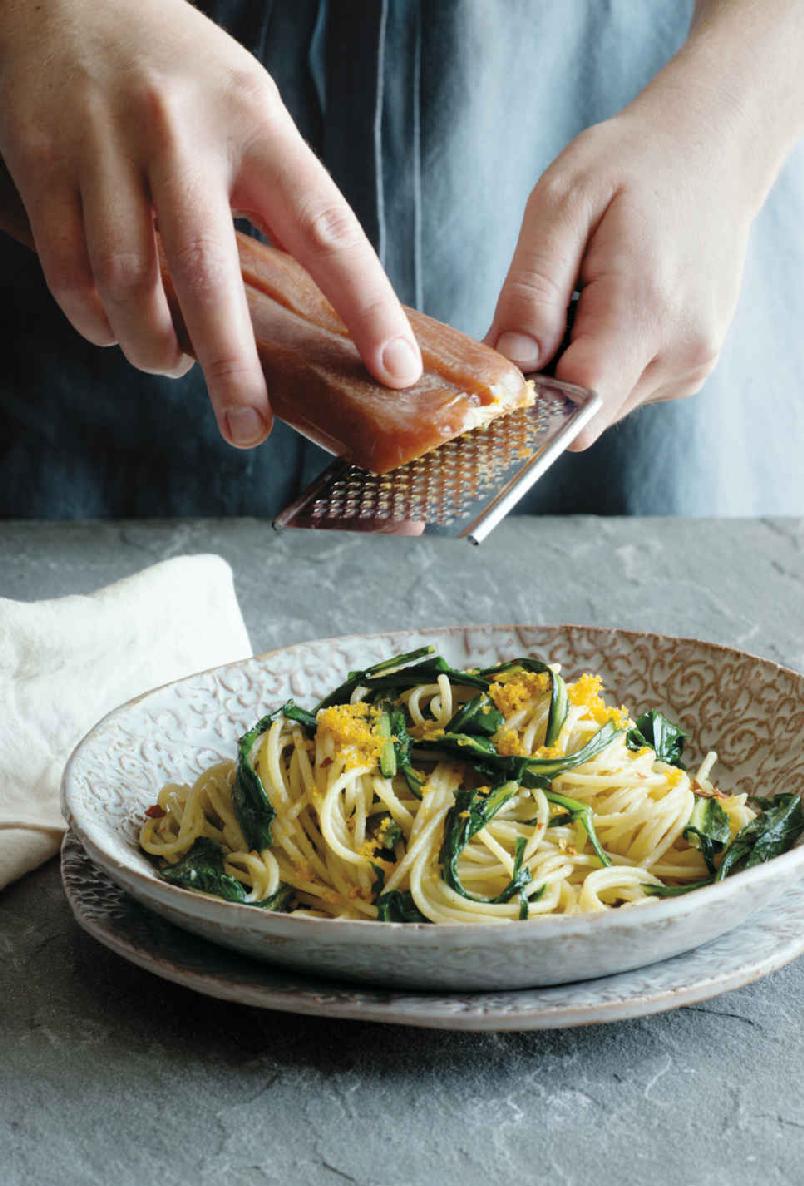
pixel 462 489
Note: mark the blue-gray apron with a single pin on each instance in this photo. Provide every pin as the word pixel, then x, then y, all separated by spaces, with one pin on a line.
pixel 435 117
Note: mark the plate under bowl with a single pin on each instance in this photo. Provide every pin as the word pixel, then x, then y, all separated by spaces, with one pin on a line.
pixel 743 706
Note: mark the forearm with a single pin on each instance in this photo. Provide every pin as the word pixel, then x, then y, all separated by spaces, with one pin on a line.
pixel 739 80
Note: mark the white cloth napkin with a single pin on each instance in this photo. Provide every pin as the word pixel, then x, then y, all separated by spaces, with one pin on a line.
pixel 65 663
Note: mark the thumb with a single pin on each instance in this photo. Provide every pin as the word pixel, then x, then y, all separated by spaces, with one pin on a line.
pixel 531 313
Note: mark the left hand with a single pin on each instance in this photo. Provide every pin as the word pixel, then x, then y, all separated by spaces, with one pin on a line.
pixel 649 214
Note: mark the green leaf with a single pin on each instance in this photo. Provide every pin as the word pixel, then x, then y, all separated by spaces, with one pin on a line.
pixel 279 901
pixel 388 750
pixel 559 707
pixel 398 906
pixel 471 812
pixel 201 869
pixel 481 753
pixel 551 767
pixel 771 833
pixel 388 830
pixel 249 798
pixel 402 750
pixel 583 812
pixel 477 715
pixel 293 712
pixel 460 745
pixel 674 891
pixel 415 783
pixel 654 730
pixel 357 679
pixel 425 672
pixel 708 829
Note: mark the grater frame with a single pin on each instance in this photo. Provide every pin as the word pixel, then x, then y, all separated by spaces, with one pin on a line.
pixel 462 489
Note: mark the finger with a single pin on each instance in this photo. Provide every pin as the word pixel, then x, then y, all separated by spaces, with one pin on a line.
pixel 531 313
pixel 610 351
pixel 122 253
pixel 198 235
pixel 287 187
pixel 58 230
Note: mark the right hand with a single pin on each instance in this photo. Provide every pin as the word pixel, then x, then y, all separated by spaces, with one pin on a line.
pixel 113 116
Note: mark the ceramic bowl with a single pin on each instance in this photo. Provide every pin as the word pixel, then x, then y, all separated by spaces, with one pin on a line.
pixel 749 709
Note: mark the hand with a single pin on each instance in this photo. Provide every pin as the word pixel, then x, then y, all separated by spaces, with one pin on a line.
pixel 114 115
pixel 649 214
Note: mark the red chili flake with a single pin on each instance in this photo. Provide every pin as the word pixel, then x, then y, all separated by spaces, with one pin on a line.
pixel 155 811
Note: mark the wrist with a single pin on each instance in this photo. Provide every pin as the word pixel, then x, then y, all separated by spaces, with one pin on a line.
pixel 722 116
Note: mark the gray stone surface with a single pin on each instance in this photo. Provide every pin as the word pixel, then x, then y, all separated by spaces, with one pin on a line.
pixel 110 1077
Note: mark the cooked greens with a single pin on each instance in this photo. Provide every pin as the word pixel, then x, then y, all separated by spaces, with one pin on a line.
pixel 472 811
pixel 350 795
pixel 358 679
pixel 476 716
pixel 675 891
pixel 708 829
pixel 482 752
pixel 773 832
pixel 576 810
pixel 201 868
pixel 402 751
pixel 280 901
pixel 398 906
pixel 656 731
pixel 386 833
pixel 249 797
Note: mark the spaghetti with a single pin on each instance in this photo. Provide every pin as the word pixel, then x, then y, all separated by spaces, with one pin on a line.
pixel 418 792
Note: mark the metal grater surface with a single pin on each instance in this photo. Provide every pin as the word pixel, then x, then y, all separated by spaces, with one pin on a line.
pixel 462 489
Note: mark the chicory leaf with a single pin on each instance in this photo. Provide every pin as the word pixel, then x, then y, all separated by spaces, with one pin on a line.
pixel 201 869
pixel 398 906
pixel 249 797
pixel 708 829
pixel 656 731
pixel 470 813
pixel 771 833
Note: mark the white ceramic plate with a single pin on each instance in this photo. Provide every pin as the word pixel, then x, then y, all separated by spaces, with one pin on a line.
pixel 765 943
pixel 746 708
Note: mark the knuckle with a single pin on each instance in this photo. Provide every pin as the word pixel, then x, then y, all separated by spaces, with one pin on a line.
pixel 226 370
pixel 37 151
pixel 375 310
pixel 67 278
pixel 701 353
pixel 154 104
pixel 123 275
pixel 254 88
pixel 201 263
pixel 533 284
pixel 692 386
pixel 559 190
pixel 330 229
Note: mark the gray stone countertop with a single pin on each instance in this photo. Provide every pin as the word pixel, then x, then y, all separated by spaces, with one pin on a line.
pixel 111 1077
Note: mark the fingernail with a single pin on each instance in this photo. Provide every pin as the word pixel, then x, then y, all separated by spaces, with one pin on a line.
pixel 401 361
pixel 245 426
pixel 520 348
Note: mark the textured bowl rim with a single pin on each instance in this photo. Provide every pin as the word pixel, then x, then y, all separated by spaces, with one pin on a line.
pixel 789 863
